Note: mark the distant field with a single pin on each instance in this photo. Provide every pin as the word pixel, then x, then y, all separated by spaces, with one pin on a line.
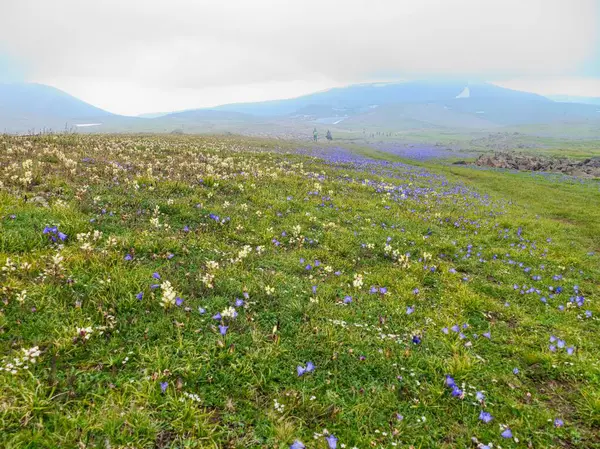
pixel 225 292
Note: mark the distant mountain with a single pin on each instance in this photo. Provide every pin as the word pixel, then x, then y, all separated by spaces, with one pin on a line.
pixel 427 105
pixel 420 104
pixel 35 106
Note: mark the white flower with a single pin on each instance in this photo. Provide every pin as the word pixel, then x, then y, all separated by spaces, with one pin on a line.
pixel 85 332
pixel 168 295
pixel 358 280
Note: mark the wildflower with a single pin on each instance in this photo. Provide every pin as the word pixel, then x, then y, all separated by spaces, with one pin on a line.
pixel 139 296
pixel 163 386
pixel 169 296
pixel 331 441
pixel 516 371
pixel 450 381
pixel 128 257
pixel 480 396
pixel 269 290
pixel 410 309
pixel 297 445
pixel 155 275
pixel 310 367
pixel 347 299
pixel 485 417
pixel 223 329
pixel 558 422
pixel 416 339
pixel 507 433
pixel 457 392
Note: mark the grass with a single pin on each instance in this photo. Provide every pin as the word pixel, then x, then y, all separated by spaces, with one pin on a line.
pixel 362 267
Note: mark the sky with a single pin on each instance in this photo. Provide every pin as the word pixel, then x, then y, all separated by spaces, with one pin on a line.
pixel 139 56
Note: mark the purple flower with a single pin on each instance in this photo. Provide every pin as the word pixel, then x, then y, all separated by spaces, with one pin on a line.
pixel 163 386
pixel 487 335
pixel 155 275
pixel 202 310
pixel 239 302
pixel 382 290
pixel 139 296
pixel 416 291
pixel 223 329
pixel 558 422
pixel 507 433
pixel 516 371
pixel 457 392
pixel 128 257
pixel 450 381
pixel 485 417
pixel 217 317
pixel 570 350
pixel 399 417
pixel 347 299
pixel 178 301
pixel 310 367
pixel 332 441
pixel 445 330
pixel 62 236
pixel 479 396
pixel 410 309
pixel 154 286
pixel 416 339
pixel 297 445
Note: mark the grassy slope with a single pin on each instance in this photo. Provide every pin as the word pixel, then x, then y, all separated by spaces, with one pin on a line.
pixel 106 390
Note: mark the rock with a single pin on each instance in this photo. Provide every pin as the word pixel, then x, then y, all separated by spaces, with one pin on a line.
pixel 586 168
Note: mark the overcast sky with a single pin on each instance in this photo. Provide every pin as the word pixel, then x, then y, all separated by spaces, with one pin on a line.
pixel 134 56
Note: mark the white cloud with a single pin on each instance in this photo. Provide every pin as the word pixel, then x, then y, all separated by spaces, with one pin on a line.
pixel 205 50
pixel 569 85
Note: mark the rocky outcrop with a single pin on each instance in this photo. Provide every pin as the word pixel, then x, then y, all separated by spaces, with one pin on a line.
pixel 517 161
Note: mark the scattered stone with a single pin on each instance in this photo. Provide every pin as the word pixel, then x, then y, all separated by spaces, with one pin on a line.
pixel 588 168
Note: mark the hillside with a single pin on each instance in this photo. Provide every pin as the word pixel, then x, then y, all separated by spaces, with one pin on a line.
pixel 225 292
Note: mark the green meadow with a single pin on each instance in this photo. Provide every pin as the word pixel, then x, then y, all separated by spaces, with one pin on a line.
pixel 228 292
